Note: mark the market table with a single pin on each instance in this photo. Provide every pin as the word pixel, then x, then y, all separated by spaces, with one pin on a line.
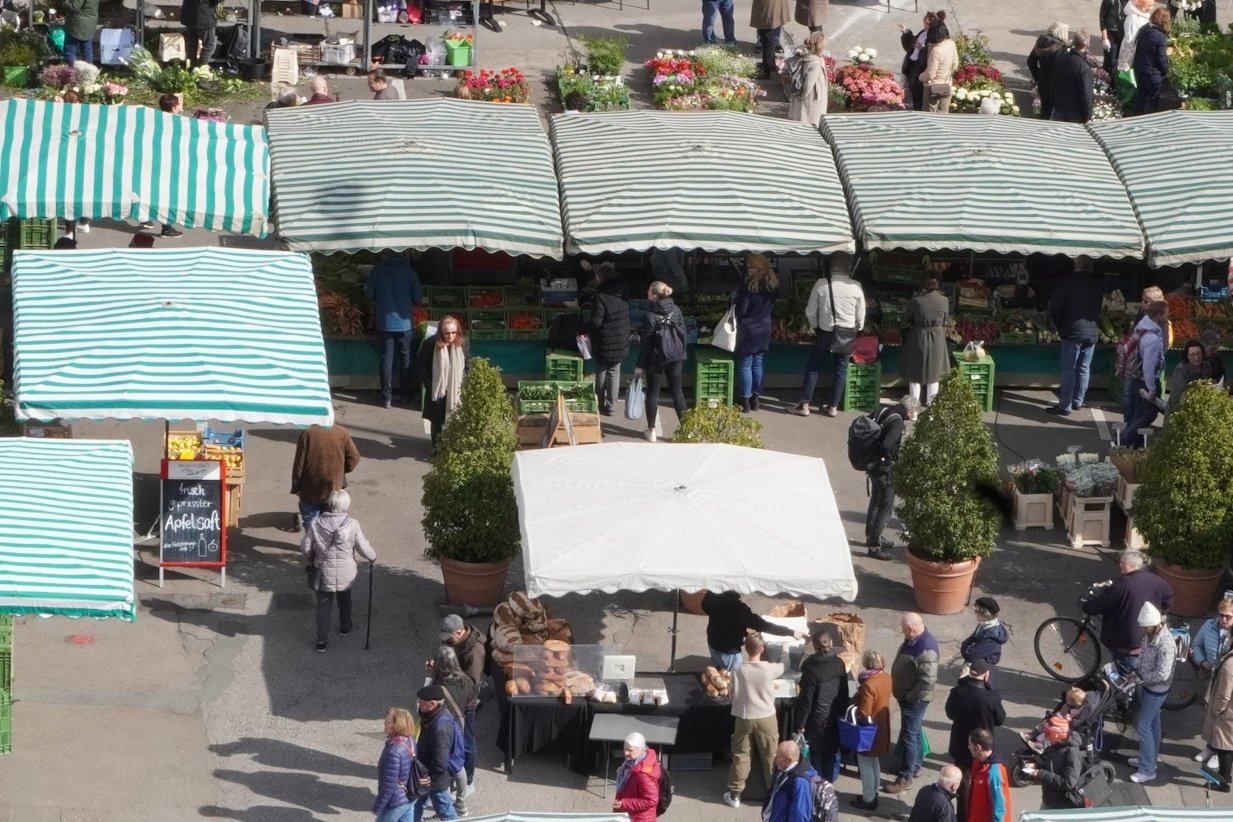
pixel 657 730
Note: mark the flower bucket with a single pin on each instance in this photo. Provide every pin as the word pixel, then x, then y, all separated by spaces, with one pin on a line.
pixel 17 76
pixel 457 53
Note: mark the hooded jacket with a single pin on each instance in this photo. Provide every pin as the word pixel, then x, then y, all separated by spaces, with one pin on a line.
pixel 81 22
pixel 1151 351
pixel 985 643
pixel 639 796
pixel 330 543
pixel 1064 764
pixel 663 312
pixel 605 315
pixel 824 696
pixel 1135 19
pixel 989 800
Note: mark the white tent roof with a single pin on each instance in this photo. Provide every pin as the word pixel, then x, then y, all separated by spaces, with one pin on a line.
pixel 633 517
pixel 1129 814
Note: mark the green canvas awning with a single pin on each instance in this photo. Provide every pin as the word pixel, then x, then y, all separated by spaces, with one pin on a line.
pixel 1182 189
pixel 66 527
pixel 710 180
pixel 536 816
pixel 421 174
pixel 195 333
pixel 131 162
pixel 981 183
pixel 1129 814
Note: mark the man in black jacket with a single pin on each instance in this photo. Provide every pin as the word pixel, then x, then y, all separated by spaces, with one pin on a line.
pixel 729 619
pixel 1074 311
pixel 971 704
pixel 1065 765
pixel 1072 82
pixel 933 802
pixel 440 750
pixel 199 22
pixel 1119 604
pixel 605 316
pixel 882 493
pixel 823 699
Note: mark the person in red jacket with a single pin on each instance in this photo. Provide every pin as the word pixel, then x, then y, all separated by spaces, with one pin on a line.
pixel 637 781
pixel 989 800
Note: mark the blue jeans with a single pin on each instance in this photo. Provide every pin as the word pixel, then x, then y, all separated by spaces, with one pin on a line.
pixel 817 358
pixel 309 511
pixel 468 746
pixel 725 662
pixel 442 803
pixel 1147 726
pixel 401 813
pixel 72 45
pixel 724 7
pixel 749 375
pixel 395 342
pixel 911 717
pixel 1076 361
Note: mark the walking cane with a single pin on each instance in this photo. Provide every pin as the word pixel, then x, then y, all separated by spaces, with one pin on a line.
pixel 368 627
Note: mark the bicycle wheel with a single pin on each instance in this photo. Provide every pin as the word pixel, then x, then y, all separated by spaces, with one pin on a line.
pixel 1185 688
pixel 1067 649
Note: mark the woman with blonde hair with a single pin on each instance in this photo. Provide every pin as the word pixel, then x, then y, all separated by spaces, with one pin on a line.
pixel 940 68
pixel 661 354
pixel 394 768
pixel 810 104
pixel 331 543
pixel 441 364
pixel 755 301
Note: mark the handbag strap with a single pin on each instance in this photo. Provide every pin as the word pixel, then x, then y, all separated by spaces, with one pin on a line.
pixel 830 295
pixel 462 719
pixel 850 715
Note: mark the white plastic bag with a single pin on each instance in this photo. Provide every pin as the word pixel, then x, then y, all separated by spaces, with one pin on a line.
pixel 724 335
pixel 635 400
pixel 584 346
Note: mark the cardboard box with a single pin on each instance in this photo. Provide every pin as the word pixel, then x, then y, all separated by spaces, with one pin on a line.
pixel 352 10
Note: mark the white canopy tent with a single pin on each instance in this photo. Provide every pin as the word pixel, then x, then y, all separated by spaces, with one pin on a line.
pixel 715 517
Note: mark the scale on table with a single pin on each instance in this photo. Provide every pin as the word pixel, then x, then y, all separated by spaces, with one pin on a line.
pixel 618 667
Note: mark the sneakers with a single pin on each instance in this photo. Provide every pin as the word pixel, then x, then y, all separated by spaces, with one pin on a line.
pixel 168 231
pixel 649 435
pixel 387 403
pixel 148 225
pixel 1138 777
pixel 861 804
pixel 470 790
pixel 830 411
pixel 321 647
pixel 898 786
pixel 731 801
pixel 879 552
pixel 801 409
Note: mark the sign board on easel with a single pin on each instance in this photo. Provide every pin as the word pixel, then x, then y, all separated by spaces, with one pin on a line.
pixel 193 516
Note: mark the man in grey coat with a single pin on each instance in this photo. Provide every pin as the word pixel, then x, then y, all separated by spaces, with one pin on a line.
pixel 80 25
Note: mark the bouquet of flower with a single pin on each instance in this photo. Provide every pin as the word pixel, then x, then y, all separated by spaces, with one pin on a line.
pixel 712 77
pixel 508 85
pixel 1189 6
pixel 965 101
pixel 861 56
pixel 867 88
pixel 1034 477
pixel 672 62
pixel 972 76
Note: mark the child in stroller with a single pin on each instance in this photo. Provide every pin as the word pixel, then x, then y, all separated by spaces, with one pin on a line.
pixel 1078 707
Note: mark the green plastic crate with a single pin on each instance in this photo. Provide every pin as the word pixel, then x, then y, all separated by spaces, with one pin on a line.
pixel 587 405
pixel 6 722
pixel 37 234
pixel 862 387
pixel 447 297
pixel 561 366
pixel 522 296
pixel 6 632
pixel 980 376
pixel 714 373
pixel 6 671
pixel 485 297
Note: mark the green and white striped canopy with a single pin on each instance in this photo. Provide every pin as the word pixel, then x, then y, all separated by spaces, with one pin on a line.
pixel 710 180
pixel 132 162
pixel 421 174
pixel 195 333
pixel 1129 814
pixel 975 182
pixel 66 527
pixel 536 816
pixel 1182 188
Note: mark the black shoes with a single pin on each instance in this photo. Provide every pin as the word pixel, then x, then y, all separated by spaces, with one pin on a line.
pixel 863 805
pixel 321 647
pixel 1058 411
pixel 168 231
pixel 753 402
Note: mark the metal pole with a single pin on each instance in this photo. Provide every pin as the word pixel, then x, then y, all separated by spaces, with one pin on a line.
pixel 676 610
pixel 368 627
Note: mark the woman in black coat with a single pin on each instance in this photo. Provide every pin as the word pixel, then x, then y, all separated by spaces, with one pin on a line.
pixel 915 57
pixel 1040 64
pixel 755 301
pixel 605 316
pixel 1151 61
pixel 440 365
pixel 823 699
pixel 661 353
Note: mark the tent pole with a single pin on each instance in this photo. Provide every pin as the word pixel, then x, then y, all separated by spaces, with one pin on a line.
pixel 676 610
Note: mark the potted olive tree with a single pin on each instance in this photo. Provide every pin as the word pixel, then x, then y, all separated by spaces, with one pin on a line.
pixel 470 514
pixel 1184 505
pixel 946 473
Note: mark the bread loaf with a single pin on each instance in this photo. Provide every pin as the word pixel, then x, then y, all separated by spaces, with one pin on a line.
pixel 524 685
pixel 511 687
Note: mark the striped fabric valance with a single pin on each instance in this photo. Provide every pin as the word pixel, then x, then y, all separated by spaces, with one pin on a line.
pixel 131 162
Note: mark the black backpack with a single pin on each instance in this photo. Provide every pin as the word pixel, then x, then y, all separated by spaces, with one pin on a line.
pixel 666 790
pixel 865 438
pixel 415 788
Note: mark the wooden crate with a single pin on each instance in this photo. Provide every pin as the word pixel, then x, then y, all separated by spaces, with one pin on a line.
pixel 1087 522
pixel 531 430
pixel 235 498
pixel 49 430
pixel 1033 511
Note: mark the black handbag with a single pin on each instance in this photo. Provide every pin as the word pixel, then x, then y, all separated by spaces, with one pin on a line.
pixel 842 339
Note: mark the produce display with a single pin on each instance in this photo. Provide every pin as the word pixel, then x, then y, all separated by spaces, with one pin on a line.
pixel 183 445
pixel 716 682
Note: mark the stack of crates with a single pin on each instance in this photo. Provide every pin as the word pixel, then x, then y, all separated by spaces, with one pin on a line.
pixel 714 371
pixel 863 388
pixel 37 234
pixel 979 375
pixel 561 366
pixel 6 684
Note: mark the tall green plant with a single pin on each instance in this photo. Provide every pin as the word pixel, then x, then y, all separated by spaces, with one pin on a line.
pixel 605 55
pixel 944 476
pixel 1184 505
pixel 470 513
pixel 722 424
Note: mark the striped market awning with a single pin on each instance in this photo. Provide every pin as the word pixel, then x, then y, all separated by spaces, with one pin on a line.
pixel 1184 199
pixel 1129 814
pixel 420 174
pixel 131 162
pixel 710 180
pixel 195 333
pixel 66 527
pixel 981 183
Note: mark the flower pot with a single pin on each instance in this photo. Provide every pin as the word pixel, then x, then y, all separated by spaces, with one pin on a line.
pixel 1033 511
pixel 691 601
pixel 473 583
pixel 941 587
pixel 1193 589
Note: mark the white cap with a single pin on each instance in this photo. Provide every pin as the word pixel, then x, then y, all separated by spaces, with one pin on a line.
pixel 1149 615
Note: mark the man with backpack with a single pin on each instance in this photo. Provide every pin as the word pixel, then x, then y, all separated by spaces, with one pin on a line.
pixel 873 447
pixel 798 793
pixel 440 751
pixel 1145 366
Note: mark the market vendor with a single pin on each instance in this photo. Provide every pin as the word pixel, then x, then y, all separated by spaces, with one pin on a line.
pixel 729 619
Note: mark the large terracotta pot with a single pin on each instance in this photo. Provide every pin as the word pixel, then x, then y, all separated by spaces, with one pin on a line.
pixel 1193 590
pixel 474 583
pixel 691 601
pixel 941 587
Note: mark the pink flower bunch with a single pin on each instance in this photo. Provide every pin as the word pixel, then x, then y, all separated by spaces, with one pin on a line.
pixel 867 87
pixel 685 77
pixel 684 102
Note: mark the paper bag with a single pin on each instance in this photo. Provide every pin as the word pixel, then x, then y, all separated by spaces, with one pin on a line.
pixel 171 47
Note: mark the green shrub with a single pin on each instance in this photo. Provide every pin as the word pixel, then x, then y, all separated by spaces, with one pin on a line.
pixel 470 513
pixel 605 55
pixel 1184 505
pixel 722 424
pixel 947 469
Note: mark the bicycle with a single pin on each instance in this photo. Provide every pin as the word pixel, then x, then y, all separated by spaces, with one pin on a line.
pixel 1069 650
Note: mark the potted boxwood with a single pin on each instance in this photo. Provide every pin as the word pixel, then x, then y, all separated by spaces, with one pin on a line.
pixel 470 514
pixel 17 56
pixel 946 473
pixel 1184 505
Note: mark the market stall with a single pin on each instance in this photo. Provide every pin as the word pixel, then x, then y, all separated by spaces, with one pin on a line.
pixel 437 173
pixel 1184 200
pixel 636 180
pixel 132 162
pixel 1127 814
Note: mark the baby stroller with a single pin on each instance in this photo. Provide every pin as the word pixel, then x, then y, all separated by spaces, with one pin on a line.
pixel 1094 788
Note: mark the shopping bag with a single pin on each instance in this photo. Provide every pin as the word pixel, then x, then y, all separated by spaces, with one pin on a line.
pixel 924 746
pixel 1125 87
pixel 854 736
pixel 115 46
pixel 635 400
pixel 724 335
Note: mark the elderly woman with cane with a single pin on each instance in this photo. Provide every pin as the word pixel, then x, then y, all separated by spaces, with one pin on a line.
pixel 331 543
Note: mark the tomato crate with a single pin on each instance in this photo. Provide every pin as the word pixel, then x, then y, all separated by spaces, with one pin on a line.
pixel 447 296
pixel 37 234
pixel 562 366
pixel 522 296
pixel 6 722
pixel 579 396
pixel 526 324
pixel 485 298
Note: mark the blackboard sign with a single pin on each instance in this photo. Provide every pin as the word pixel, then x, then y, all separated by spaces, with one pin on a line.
pixel 192 514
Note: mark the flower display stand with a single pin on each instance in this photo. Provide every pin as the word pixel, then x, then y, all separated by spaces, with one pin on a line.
pixel 1063 496
pixel 1033 511
pixel 1134 540
pixel 1125 492
pixel 1087 521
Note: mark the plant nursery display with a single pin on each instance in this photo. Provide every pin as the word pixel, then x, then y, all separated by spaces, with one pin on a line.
pixel 712 77
pixel 977 80
pixel 596 75
pixel 862 86
pixel 508 85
